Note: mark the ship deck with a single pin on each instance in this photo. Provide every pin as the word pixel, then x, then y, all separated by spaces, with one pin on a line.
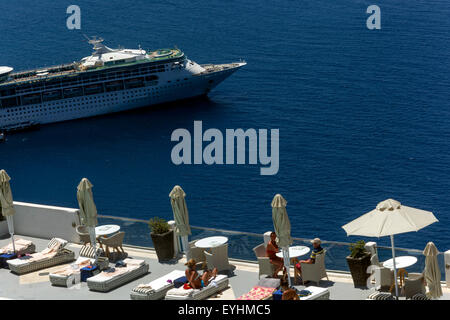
pixel 154 56
pixel 36 285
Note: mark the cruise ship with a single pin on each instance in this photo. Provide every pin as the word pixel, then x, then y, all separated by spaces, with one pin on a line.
pixel 109 80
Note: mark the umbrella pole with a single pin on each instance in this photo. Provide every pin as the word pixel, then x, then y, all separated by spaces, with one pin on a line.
pixel 10 222
pixel 14 246
pixel 93 241
pixel 395 268
pixel 185 245
pixel 287 263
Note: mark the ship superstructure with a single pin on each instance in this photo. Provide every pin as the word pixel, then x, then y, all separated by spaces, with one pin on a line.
pixel 109 80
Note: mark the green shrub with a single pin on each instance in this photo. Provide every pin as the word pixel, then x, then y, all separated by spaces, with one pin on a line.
pixel 357 249
pixel 158 225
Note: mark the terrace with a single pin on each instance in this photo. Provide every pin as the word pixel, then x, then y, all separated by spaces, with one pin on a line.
pixel 55 221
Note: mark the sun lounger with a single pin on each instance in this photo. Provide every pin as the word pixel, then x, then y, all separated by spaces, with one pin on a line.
pixel 106 281
pixel 216 285
pixel 258 293
pixel 22 247
pixel 53 255
pixel 87 257
pixel 317 293
pixel 263 290
pixel 156 289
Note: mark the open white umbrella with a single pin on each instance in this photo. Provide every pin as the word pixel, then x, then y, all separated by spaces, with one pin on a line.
pixel 282 228
pixel 389 218
pixel 88 210
pixel 6 201
pixel 181 216
pixel 432 273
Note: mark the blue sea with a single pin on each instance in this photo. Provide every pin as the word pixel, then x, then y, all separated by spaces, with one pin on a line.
pixel 363 115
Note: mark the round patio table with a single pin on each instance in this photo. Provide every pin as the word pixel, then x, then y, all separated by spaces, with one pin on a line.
pixel 211 242
pixel 400 262
pixel 106 230
pixel 295 252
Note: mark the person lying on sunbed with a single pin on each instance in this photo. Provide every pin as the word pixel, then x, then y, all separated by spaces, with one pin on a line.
pixel 195 280
pixel 271 252
pixel 317 249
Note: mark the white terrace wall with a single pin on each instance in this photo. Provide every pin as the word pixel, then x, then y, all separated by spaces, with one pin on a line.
pixel 45 222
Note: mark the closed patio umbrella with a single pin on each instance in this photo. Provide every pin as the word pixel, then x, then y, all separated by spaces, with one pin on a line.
pixel 389 218
pixel 6 201
pixel 282 228
pixel 181 216
pixel 432 273
pixel 88 210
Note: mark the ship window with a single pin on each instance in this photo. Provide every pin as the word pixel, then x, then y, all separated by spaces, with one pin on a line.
pixel 7 92
pixel 94 89
pixel 31 99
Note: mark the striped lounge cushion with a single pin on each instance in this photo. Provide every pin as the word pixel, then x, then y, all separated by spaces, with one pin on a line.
pixel 144 290
pixel 87 251
pixel 55 241
pixel 380 296
pixel 419 296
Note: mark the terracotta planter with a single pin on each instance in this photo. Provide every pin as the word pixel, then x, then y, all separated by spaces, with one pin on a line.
pixel 358 269
pixel 163 245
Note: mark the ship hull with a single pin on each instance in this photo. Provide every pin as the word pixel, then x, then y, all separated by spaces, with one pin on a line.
pixel 116 101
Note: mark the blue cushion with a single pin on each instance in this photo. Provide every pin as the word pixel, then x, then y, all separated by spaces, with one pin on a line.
pixel 4 258
pixel 277 295
pixel 87 272
pixel 179 282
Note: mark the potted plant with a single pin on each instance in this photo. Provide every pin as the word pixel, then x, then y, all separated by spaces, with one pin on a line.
pixel 162 238
pixel 358 262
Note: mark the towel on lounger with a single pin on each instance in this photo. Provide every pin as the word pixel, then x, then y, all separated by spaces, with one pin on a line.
pixel 131 264
pixel 68 270
pixel 20 244
pixel 181 292
pixel 257 293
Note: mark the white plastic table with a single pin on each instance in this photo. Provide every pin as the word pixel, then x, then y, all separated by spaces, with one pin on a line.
pixel 295 251
pixel 211 242
pixel 400 262
pixel 106 230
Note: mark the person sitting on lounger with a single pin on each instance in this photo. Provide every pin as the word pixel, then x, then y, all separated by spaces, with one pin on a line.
pixel 195 280
pixel 271 252
pixel 317 249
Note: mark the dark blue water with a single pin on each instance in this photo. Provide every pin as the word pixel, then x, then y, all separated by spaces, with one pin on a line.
pixel 363 115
